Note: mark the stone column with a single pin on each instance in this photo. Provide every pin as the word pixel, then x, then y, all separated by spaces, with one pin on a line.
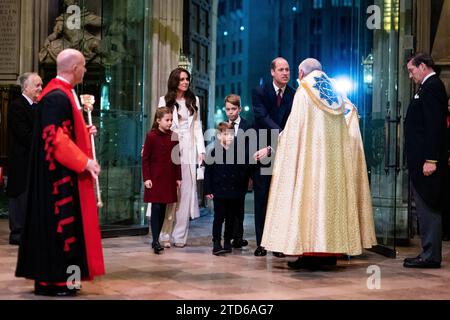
pixel 27 36
pixel 166 40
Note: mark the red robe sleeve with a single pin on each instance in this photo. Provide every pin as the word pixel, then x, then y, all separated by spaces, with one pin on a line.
pixel 67 153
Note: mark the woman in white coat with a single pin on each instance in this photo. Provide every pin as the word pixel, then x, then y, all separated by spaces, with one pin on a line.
pixel 187 125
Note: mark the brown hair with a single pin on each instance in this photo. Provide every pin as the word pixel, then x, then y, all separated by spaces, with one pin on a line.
pixel 234 99
pixel 172 87
pixel 223 126
pixel 159 114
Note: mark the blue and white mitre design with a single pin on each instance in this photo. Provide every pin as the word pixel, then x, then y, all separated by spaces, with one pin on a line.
pixel 321 90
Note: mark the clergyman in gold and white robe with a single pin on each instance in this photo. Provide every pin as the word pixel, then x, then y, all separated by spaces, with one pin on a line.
pixel 312 207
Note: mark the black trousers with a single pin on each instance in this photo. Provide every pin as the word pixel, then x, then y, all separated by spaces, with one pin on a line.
pixel 224 211
pixel 261 187
pixel 157 220
pixel 16 209
pixel 430 224
pixel 238 228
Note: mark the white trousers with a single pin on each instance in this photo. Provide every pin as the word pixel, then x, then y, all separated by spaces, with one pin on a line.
pixel 176 226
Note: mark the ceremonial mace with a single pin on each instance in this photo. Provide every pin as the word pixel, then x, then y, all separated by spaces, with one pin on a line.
pixel 88 104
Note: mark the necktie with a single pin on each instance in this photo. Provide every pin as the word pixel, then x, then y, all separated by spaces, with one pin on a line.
pixel 233 124
pixel 279 97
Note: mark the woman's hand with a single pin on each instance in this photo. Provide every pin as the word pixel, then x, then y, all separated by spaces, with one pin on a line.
pixel 178 184
pixel 201 158
pixel 148 184
pixel 210 196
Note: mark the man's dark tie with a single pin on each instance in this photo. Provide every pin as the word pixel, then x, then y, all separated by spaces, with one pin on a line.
pixel 279 97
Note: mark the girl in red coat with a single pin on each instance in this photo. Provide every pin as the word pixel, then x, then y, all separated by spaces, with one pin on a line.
pixel 161 173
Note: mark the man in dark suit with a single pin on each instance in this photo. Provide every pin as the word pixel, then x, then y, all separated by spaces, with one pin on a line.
pixel 271 106
pixel 20 131
pixel 240 127
pixel 426 151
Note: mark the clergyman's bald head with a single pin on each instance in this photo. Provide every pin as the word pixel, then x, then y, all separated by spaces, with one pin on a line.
pixel 309 65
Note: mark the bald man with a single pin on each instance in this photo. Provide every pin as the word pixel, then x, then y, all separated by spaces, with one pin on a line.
pixel 61 237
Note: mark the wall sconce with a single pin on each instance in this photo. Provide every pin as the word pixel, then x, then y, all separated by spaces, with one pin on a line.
pixel 368 70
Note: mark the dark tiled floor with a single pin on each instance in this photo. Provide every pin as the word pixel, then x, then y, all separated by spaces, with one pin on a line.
pixel 134 272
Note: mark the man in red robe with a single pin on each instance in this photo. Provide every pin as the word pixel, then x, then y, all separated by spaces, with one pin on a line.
pixel 61 240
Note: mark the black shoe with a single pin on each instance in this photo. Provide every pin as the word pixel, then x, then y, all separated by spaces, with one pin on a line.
pixel 322 261
pixel 420 263
pixel 313 263
pixel 239 243
pixel 227 246
pixel 298 264
pixel 260 252
pixel 217 248
pixel 279 254
pixel 54 291
pixel 157 248
pixel 411 259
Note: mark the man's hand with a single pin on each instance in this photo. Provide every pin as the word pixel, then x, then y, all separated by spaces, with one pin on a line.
pixel 210 196
pixel 93 167
pixel 178 184
pixel 148 184
pixel 261 154
pixel 429 168
pixel 92 130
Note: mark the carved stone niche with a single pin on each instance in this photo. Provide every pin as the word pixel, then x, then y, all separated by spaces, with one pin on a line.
pixel 76 27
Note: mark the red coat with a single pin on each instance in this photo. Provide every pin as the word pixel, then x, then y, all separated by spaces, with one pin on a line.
pixel 157 166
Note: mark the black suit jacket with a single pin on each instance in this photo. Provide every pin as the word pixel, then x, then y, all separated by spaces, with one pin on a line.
pixel 426 139
pixel 244 125
pixel 225 178
pixel 20 132
pixel 267 114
